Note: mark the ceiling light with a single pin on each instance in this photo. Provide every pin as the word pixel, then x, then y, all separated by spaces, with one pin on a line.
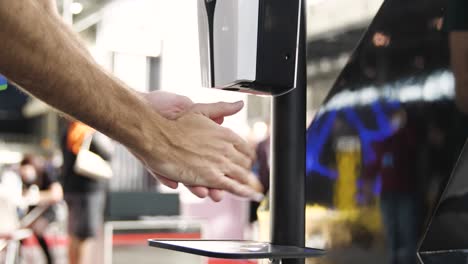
pixel 381 39
pixel 76 8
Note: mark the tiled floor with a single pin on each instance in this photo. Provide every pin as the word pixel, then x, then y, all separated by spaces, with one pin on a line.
pixel 125 255
pixel 147 255
pixel 143 254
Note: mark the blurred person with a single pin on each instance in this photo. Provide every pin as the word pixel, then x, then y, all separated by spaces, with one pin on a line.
pixel 395 164
pixel 456 22
pixel 85 196
pixel 41 187
pixel 44 57
pixel 261 168
pixel 436 163
pixel 11 185
pixel 263 159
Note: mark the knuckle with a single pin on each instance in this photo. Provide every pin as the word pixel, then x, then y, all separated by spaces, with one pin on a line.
pixel 230 135
pixel 244 176
pixel 223 184
pixel 247 163
pixel 219 160
pixel 212 173
pixel 227 168
pixel 226 149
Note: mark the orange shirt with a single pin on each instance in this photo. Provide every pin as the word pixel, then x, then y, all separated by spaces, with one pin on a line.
pixel 76 134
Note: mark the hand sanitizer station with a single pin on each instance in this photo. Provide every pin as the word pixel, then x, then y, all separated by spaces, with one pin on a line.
pixel 258 47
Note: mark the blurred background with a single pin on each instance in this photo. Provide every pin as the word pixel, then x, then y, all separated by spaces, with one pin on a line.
pixel 383 131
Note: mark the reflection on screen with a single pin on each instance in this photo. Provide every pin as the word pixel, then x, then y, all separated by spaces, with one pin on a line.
pixel 3 83
pixel 383 144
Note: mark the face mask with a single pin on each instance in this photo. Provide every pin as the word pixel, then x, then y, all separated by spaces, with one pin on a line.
pixel 28 174
pixel 397 122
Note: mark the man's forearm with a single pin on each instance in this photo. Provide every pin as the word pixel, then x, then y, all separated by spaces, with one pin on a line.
pixel 39 55
pixel 50 7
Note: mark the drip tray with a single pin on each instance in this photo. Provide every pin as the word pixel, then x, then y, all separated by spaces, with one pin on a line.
pixel 237 249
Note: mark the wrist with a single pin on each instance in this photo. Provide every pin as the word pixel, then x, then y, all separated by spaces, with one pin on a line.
pixel 150 136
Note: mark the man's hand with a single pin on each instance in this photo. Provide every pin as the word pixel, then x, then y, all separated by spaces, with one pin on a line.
pixel 47 60
pixel 173 106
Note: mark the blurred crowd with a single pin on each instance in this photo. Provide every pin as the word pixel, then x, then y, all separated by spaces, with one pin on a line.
pixel 45 192
pixel 45 189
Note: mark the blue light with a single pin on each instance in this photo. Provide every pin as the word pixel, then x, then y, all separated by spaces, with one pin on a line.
pixel 3 83
pixel 320 131
pixel 317 136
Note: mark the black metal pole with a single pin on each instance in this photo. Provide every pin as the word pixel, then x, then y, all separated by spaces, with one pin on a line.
pixel 287 181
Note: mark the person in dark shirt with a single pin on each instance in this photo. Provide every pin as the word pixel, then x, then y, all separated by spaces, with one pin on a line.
pixel 35 172
pixel 85 196
pixel 395 165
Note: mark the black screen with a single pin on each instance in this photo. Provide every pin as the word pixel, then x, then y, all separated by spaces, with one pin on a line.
pixel 382 146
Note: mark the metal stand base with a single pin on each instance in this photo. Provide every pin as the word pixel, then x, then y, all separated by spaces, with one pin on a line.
pixel 237 249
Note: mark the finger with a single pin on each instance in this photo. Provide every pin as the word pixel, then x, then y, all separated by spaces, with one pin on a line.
pixel 216 195
pixel 218 110
pixel 244 148
pixel 219 120
pixel 240 144
pixel 200 192
pixel 239 158
pixel 245 177
pixel 169 105
pixel 239 189
pixel 169 183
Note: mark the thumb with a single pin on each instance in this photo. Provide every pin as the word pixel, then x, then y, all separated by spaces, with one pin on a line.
pixel 217 111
